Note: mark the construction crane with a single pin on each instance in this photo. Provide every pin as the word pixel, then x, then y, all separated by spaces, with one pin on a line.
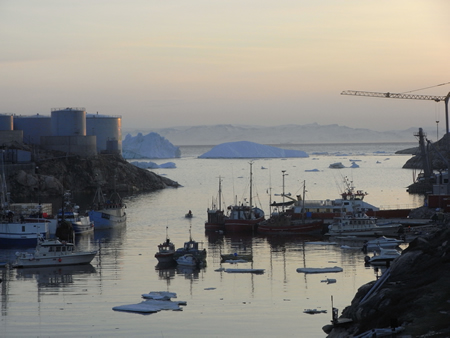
pixel 404 96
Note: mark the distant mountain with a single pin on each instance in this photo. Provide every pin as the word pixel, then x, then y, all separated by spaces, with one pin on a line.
pixel 283 134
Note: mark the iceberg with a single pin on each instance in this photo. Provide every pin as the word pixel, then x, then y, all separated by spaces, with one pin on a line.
pixel 246 149
pixel 151 145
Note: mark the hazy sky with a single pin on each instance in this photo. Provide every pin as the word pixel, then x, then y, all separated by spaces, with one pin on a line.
pixel 170 63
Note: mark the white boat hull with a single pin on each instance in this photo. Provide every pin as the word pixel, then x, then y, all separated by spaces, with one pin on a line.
pixel 108 218
pixel 27 260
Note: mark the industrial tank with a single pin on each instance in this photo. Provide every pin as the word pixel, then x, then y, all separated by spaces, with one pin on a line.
pixel 6 122
pixel 108 129
pixel 33 127
pixel 68 122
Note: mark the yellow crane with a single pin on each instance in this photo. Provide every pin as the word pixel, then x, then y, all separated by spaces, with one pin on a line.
pixel 404 96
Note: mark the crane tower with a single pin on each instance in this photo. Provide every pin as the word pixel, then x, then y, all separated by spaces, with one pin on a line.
pixel 404 96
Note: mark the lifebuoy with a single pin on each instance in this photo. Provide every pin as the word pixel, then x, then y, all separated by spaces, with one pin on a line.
pixel 59 260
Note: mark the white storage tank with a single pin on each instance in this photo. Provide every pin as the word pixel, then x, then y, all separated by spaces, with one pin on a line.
pixel 68 122
pixel 6 122
pixel 108 129
pixel 33 127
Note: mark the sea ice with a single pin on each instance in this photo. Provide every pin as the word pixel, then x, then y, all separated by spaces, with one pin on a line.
pixel 153 165
pixel 245 149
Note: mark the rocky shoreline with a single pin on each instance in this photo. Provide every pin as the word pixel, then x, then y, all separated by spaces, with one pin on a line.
pixel 414 295
pixel 55 174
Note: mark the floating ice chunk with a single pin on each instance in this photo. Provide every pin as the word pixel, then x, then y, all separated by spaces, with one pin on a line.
pixel 150 306
pixel 244 270
pixel 314 311
pixel 151 145
pixel 311 170
pixel 354 165
pixel 329 280
pixel 320 270
pixel 153 165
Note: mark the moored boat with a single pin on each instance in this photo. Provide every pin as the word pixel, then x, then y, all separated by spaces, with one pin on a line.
pixel 107 213
pixel 190 260
pixel 51 252
pixel 193 248
pixel 216 215
pixel 359 224
pixel 70 212
pixel 383 257
pixel 165 252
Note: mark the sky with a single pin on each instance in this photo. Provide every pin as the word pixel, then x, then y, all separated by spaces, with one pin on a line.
pixel 173 63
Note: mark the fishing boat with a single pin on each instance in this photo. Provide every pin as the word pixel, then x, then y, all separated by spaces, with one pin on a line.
pixel 216 215
pixel 193 248
pixel 107 213
pixel 70 212
pixel 381 242
pixel 166 251
pixel 351 200
pixel 383 257
pixel 53 252
pixel 244 218
pixel 359 224
pixel 189 214
pixel 15 230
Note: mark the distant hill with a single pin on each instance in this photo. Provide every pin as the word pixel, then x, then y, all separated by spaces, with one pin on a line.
pixel 283 134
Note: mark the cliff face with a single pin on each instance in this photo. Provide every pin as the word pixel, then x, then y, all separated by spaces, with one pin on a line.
pixel 78 174
pixel 416 295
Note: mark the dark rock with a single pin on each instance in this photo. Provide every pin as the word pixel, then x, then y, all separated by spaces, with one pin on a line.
pixel 84 175
pixel 416 295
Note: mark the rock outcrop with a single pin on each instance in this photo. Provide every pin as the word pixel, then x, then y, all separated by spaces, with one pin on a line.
pixel 84 175
pixel 416 295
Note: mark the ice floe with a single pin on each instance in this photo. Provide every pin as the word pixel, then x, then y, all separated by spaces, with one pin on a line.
pixel 155 302
pixel 320 270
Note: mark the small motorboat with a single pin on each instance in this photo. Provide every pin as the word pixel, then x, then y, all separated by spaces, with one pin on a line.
pixel 188 260
pixel 384 257
pixel 189 214
pixel 381 242
pixel 52 252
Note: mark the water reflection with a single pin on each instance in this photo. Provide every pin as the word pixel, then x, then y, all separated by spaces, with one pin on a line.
pixel 60 276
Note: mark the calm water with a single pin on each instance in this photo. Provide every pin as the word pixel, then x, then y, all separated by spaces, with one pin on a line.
pixel 78 301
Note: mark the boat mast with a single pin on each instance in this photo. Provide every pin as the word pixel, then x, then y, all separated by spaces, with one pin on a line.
pixel 284 174
pixel 220 193
pixel 251 184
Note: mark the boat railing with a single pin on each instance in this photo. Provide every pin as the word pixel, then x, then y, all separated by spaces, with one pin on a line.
pixel 398 206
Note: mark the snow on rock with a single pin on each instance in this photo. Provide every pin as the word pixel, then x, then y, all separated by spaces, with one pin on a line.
pixel 246 149
pixel 153 165
pixel 151 145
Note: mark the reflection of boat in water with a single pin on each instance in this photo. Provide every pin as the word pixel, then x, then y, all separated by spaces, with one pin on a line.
pixel 50 252
pixel 55 276
pixel 107 213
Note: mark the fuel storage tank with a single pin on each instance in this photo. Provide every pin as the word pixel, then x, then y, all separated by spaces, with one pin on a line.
pixel 33 127
pixel 108 129
pixel 6 122
pixel 68 122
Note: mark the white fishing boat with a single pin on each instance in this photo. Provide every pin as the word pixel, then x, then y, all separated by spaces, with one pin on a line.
pixel 70 212
pixel 359 224
pixel 53 252
pixel 107 213
pixel 15 230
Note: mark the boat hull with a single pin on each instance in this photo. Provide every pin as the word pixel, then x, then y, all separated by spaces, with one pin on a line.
pixel 242 225
pixel 165 258
pixel 293 228
pixel 75 259
pixel 22 234
pixel 108 218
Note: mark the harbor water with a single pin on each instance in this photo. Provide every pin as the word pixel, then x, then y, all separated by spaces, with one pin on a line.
pixel 78 301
